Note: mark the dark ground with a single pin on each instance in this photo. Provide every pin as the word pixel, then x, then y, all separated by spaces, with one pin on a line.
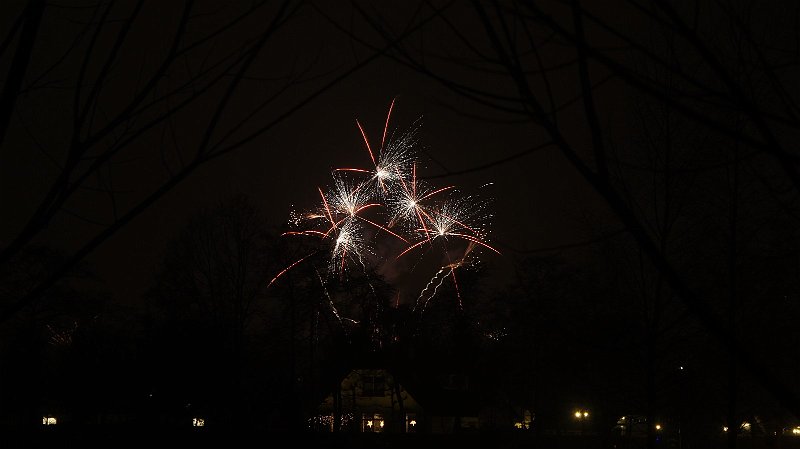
pixel 129 437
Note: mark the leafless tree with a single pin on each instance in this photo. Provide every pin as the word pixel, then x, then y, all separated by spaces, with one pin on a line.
pixel 107 106
pixel 213 280
pixel 524 63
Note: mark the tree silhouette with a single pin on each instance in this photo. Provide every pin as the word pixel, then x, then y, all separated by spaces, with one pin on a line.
pixel 121 114
pixel 211 295
pixel 561 66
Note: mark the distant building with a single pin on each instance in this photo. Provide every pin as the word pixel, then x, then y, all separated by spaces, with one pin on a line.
pixel 368 400
pixel 372 400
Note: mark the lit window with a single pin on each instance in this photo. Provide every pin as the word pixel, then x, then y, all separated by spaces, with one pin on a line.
pixel 49 420
pixel 198 422
pixel 372 423
pixel 411 422
pixel 527 419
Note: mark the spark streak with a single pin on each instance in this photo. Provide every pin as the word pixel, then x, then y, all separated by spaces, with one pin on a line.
pixel 289 268
pixel 401 206
pixel 386 126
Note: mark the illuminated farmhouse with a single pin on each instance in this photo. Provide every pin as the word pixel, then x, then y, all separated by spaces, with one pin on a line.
pixel 371 400
pixel 368 400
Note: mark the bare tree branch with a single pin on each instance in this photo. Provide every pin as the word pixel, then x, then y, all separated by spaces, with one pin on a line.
pixel 19 65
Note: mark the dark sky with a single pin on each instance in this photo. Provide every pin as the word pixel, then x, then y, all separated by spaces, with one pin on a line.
pixel 696 127
pixel 539 201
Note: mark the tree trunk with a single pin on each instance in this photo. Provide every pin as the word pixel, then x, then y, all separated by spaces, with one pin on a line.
pixel 337 408
pixel 401 406
pixel 733 424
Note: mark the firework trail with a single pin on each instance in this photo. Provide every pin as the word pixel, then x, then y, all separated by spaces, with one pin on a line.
pixel 394 159
pixel 363 206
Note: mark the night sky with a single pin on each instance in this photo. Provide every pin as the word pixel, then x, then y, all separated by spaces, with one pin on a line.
pixel 539 201
pixel 638 160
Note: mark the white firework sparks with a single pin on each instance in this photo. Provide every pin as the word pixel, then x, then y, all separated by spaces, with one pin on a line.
pixel 354 214
pixel 348 244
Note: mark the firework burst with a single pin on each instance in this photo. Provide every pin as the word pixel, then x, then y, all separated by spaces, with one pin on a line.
pixel 394 160
pixel 388 201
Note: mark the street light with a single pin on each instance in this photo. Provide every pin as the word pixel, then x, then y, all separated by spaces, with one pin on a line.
pixel 582 415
